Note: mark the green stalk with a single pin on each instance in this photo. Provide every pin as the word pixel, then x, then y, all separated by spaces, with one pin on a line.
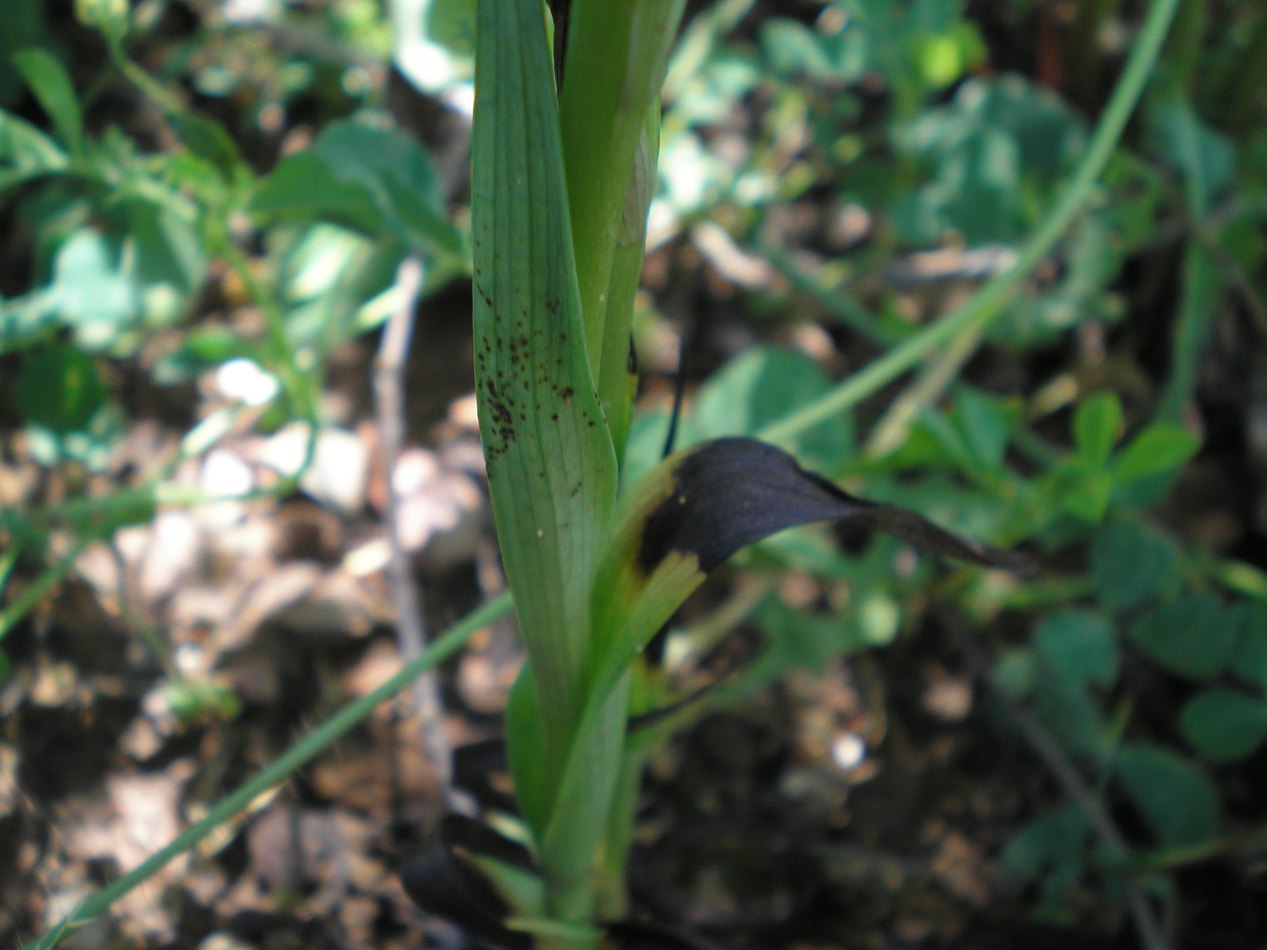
pixel 988 303
pixel 289 762
pixel 616 56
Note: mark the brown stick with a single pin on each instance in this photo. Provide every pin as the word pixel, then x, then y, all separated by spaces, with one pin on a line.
pixel 411 633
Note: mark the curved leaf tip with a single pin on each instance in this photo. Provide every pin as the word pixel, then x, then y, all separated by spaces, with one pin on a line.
pixel 730 493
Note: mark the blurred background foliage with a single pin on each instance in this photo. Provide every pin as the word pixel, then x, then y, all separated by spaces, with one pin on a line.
pixel 190 186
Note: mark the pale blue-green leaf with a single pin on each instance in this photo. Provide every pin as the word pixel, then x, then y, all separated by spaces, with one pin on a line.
pixel 1079 647
pixel 1223 724
pixel 1178 801
pixel 1131 564
pixel 1191 635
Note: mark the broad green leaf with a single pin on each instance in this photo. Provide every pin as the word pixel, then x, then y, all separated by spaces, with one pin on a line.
pixel 1191 635
pixel 1096 426
pixel 371 179
pixel 1180 804
pixel 26 152
pixel 305 186
pixel 1080 647
pixel 551 464
pixel 553 488
pixel 1131 564
pixel 51 84
pixel 1223 724
pixel 755 389
pixel 60 389
pixel 1159 448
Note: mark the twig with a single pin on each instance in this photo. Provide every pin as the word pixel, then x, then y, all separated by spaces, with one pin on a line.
pixel 411 634
pixel 1152 934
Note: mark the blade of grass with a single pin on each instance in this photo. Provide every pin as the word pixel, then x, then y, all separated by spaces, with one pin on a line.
pixel 285 765
pixel 988 303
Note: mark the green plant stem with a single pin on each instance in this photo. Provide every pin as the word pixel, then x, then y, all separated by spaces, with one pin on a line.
pixel 988 303
pixel 616 56
pixel 1169 859
pixel 289 762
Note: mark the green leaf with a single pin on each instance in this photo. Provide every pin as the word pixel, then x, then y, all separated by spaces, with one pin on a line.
pixel 304 186
pixel 1131 564
pixel 60 389
pixel 1206 159
pixel 208 140
pixel 1096 426
pixel 1249 658
pixel 1080 647
pixel 90 291
pixel 26 152
pixel 551 463
pixel 986 150
pixel 987 424
pixel 792 48
pixel 51 85
pixel 1089 497
pixel 1159 448
pixel 368 178
pixel 1180 804
pixel 1191 635
pixel 204 348
pixel 1072 714
pixel 1051 842
pixel 754 390
pixel 1223 724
